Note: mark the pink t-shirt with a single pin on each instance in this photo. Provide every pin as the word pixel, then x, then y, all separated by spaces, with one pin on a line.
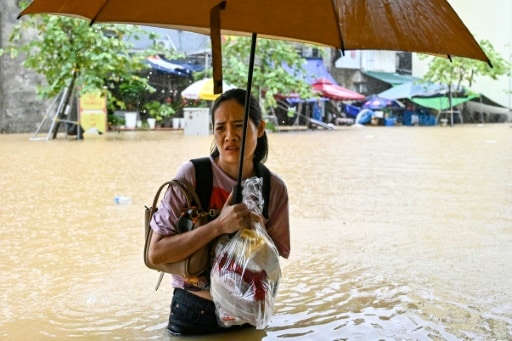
pixel 277 226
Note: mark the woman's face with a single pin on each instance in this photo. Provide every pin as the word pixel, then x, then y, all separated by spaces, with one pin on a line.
pixel 227 131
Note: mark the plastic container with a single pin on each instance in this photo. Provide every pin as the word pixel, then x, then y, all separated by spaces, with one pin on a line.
pixel 122 200
pixel 389 122
pixel 130 120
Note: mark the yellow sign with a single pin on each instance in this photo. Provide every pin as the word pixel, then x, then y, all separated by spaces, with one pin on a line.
pixel 92 108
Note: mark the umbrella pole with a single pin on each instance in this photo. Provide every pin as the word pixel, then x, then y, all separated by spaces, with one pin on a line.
pixel 237 198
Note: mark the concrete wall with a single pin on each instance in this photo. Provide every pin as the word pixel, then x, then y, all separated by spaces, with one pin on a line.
pixel 20 110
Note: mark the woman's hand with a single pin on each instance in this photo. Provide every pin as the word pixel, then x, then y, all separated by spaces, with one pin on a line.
pixel 234 217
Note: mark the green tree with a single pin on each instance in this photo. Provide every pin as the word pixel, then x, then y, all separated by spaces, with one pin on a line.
pixel 70 53
pixel 461 72
pixel 269 78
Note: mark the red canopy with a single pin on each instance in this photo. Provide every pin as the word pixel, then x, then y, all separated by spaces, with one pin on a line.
pixel 333 91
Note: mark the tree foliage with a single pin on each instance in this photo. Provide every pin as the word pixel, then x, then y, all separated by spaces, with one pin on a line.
pixel 463 71
pixel 269 77
pixel 97 57
pixel 62 49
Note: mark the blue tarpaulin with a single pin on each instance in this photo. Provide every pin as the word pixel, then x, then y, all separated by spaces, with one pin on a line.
pixel 364 116
pixel 375 102
pixel 191 66
pixel 351 110
pixel 295 100
pixel 162 65
pixel 314 69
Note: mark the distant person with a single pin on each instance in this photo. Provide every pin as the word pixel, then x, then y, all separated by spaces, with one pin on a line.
pixel 192 308
pixel 317 112
pixel 408 118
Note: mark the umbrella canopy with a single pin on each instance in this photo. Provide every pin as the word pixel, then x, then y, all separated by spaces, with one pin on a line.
pixel 336 92
pixel 428 26
pixel 375 102
pixel 203 89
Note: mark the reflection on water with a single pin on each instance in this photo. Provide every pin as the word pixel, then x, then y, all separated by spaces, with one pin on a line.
pixel 397 233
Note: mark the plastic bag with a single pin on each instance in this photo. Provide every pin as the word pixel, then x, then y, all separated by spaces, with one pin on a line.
pixel 246 271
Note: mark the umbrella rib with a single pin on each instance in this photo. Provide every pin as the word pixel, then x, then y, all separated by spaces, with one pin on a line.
pixel 238 187
pixel 216 46
pixel 335 10
pixel 93 20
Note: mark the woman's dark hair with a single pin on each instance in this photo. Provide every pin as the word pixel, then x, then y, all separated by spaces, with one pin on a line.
pixel 261 152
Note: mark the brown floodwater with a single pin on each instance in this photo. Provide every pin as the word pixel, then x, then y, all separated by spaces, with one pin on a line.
pixel 397 233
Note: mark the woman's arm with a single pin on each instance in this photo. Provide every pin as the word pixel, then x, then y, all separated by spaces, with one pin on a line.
pixel 278 224
pixel 176 247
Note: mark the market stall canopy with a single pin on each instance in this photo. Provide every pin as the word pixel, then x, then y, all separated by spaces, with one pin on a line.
pixel 330 90
pixel 441 102
pixel 413 89
pixel 392 78
pixel 494 112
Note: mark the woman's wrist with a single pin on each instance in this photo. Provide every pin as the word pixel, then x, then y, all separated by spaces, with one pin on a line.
pixel 215 227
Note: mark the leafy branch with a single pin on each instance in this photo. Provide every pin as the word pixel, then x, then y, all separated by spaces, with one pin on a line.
pixel 463 71
pixel 269 77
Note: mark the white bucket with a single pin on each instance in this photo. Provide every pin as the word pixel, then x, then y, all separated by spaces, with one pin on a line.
pixel 130 119
pixel 151 123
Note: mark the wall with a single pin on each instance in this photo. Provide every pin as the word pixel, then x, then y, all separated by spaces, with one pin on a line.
pixel 20 110
pixel 368 60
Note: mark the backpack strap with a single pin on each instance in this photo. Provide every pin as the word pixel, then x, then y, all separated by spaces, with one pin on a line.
pixel 263 172
pixel 189 191
pixel 204 180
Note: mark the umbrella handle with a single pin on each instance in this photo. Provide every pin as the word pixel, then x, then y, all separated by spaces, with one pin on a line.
pixel 237 197
pixel 237 194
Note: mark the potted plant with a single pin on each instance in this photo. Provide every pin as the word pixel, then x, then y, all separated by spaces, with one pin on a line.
pixel 158 111
pixel 114 121
pixel 131 92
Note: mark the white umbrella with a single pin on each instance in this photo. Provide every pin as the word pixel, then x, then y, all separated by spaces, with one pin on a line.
pixel 203 89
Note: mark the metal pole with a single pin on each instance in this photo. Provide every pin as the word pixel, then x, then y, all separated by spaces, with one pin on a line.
pixel 451 107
